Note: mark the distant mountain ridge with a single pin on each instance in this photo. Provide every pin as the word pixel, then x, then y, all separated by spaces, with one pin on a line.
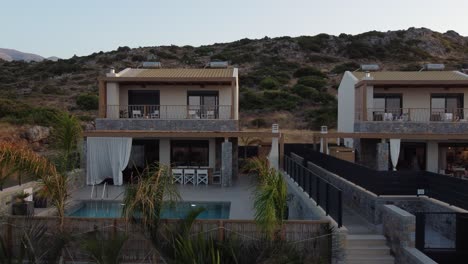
pixel 16 55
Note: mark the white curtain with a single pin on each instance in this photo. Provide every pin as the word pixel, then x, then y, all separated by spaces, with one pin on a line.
pixel 394 151
pixel 273 157
pixel 106 158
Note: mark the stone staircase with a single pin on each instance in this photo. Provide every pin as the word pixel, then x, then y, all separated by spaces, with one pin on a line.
pixel 368 249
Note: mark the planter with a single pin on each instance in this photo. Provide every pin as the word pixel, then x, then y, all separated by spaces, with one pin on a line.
pixel 22 208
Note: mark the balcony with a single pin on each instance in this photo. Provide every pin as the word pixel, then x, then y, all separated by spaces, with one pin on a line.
pixel 168 118
pixel 412 120
pixel 169 112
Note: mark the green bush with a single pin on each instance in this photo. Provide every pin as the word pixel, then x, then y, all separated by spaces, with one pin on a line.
pixel 348 66
pixel 315 43
pixel 19 113
pixel 50 89
pixel 309 71
pixel 269 83
pixel 325 116
pixel 306 92
pixel 166 55
pixel 138 58
pixel 87 102
pixel 251 101
pixel 313 81
pixel 280 100
pixel 259 123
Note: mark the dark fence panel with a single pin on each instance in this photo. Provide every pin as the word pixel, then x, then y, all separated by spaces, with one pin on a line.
pixel 325 194
pixel 438 186
pixel 379 182
pixel 443 236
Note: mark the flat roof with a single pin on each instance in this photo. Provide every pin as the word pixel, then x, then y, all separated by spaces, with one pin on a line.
pixel 413 76
pixel 176 75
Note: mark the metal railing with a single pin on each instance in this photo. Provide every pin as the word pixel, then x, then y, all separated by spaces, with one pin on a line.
pixel 325 194
pixel 413 115
pixel 442 236
pixel 169 111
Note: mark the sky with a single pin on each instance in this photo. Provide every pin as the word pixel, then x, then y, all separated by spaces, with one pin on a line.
pixel 64 28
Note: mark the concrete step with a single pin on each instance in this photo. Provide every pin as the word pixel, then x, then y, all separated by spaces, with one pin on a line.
pixel 362 241
pixel 368 251
pixel 371 261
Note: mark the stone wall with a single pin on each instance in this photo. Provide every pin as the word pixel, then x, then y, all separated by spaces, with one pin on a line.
pixel 412 127
pixel 7 194
pixel 399 228
pixel 167 125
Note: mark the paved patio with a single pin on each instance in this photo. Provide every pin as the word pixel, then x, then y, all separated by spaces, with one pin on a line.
pixel 240 195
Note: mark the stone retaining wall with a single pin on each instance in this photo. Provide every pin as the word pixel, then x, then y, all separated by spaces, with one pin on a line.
pixel 399 228
pixel 7 194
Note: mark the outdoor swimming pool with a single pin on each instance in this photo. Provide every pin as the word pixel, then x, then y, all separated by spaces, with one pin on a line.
pixel 106 209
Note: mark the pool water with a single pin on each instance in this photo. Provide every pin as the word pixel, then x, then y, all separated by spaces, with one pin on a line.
pixel 105 209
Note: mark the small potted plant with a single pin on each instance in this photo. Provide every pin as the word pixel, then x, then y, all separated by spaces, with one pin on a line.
pixel 20 206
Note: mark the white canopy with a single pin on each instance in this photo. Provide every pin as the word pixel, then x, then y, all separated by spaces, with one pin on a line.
pixel 106 158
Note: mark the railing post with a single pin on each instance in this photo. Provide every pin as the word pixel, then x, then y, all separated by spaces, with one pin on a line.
pixel 221 230
pixel 420 230
pixel 340 208
pixel 327 200
pixel 317 187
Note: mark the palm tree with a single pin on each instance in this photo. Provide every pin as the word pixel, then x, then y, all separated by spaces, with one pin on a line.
pixel 270 196
pixel 53 183
pixel 52 176
pixel 143 201
pixel 66 136
pixel 103 250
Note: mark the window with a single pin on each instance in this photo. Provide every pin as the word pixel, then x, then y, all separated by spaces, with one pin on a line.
pixel 142 97
pixel 387 102
pixel 446 107
pixel 189 152
pixel 447 103
pixel 203 104
pixel 387 107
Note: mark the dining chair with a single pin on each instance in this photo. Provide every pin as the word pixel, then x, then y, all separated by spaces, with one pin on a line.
pixel 178 176
pixel 202 176
pixel 136 114
pixel 189 176
pixel 155 114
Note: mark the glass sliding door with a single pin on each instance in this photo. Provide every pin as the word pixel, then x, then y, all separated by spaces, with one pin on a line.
pixel 446 107
pixel 143 103
pixel 190 152
pixel 202 104
pixel 387 107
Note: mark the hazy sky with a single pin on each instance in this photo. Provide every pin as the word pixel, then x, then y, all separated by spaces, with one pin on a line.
pixel 66 27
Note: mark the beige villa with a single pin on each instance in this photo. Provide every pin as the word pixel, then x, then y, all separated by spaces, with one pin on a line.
pixel 406 120
pixel 185 118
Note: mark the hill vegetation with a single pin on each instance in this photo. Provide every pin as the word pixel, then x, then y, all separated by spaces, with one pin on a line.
pixel 291 81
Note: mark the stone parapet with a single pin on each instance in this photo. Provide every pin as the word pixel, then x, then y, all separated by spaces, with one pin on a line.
pixel 412 127
pixel 167 125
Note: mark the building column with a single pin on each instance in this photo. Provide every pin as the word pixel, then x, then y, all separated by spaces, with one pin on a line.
pixel 165 151
pixel 383 152
pixel 432 157
pixel 226 163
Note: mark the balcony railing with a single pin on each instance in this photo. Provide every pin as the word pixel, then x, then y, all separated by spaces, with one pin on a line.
pixel 169 111
pixel 413 115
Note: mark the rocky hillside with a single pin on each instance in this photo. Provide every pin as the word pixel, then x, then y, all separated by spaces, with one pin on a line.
pixel 287 80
